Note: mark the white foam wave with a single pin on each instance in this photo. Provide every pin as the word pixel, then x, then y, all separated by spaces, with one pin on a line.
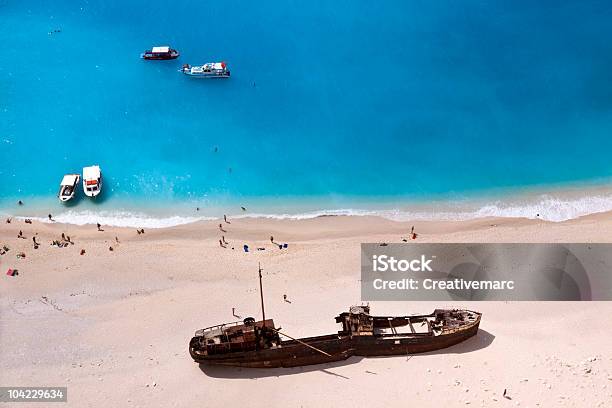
pixel 545 207
pixel 549 208
pixel 120 219
pixel 312 214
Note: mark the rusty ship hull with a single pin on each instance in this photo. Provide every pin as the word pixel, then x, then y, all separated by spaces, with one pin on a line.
pixel 289 354
pixel 410 344
pixel 362 335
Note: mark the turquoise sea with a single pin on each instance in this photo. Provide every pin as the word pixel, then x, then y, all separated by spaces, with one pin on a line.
pixel 407 108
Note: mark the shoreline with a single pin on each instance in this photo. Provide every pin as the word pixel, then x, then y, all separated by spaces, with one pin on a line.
pixel 588 228
pixel 548 205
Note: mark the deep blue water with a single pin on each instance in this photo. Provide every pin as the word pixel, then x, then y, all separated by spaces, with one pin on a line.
pixel 332 101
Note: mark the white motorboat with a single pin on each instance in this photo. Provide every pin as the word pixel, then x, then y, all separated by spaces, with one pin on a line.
pixel 208 70
pixel 68 187
pixel 92 181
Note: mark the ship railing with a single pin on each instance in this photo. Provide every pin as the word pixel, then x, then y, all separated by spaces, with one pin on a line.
pixel 222 325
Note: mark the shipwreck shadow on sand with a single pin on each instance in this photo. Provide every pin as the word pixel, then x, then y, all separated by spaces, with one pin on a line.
pixel 482 340
pixel 253 373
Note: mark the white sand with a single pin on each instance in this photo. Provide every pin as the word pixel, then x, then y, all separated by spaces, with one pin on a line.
pixel 114 326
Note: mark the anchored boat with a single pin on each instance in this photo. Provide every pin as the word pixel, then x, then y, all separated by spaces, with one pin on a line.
pixel 92 181
pixel 160 53
pixel 68 187
pixel 258 344
pixel 208 70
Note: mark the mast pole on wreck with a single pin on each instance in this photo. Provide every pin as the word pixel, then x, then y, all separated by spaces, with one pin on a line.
pixel 263 311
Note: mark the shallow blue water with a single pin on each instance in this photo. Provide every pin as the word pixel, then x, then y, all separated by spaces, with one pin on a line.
pixel 333 101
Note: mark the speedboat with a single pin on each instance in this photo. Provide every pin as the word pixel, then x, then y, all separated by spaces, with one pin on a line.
pixel 160 53
pixel 68 187
pixel 208 70
pixel 92 181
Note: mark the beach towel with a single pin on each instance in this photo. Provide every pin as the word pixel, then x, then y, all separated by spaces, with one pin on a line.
pixel 12 272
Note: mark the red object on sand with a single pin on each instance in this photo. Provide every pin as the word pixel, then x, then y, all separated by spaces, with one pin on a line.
pixel 10 272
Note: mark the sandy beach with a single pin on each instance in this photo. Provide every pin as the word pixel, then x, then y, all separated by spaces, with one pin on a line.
pixel 113 326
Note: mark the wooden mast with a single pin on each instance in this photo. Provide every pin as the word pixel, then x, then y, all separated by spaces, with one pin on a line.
pixel 263 314
pixel 263 311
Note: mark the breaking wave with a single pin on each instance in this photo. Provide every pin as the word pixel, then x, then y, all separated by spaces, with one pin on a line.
pixel 545 207
pixel 120 219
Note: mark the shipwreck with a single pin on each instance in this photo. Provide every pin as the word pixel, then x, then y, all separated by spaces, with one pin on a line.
pixel 258 344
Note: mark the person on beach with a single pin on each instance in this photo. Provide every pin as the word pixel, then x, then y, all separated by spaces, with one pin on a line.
pixel 221 244
pixel 28 221
pixel 225 219
pixel 8 220
pixel 271 239
pixel 99 227
pixel 20 235
pixel 117 240
pixel 63 236
pixel 35 243
pixel 51 218
pixel 413 234
pixel 221 228
pixel 223 239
